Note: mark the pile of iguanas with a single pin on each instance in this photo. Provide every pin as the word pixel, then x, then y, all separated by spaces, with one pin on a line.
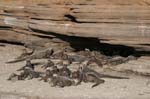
pixel 59 73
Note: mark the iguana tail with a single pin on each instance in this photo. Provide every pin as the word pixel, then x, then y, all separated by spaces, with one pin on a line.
pixel 104 75
pixel 17 60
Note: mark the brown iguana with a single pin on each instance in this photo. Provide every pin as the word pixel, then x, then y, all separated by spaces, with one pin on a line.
pixel 61 81
pixel 37 55
pixel 48 64
pixel 86 74
pixel 86 77
pixel 28 64
pixel 116 60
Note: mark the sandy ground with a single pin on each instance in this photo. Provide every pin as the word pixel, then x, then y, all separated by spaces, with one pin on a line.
pixel 133 88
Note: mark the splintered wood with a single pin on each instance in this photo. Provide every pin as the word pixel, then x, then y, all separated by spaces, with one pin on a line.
pixel 120 21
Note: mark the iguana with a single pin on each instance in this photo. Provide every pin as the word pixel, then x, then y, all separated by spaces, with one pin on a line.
pixel 85 74
pixel 37 55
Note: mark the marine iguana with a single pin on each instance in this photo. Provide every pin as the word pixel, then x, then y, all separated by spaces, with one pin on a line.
pixel 28 64
pixel 37 55
pixel 61 81
pixel 85 74
pixel 48 64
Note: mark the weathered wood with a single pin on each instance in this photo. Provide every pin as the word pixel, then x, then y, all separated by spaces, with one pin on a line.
pixel 11 36
pixel 93 29
pixel 104 19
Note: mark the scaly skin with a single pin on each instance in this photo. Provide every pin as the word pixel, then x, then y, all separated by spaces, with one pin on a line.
pixel 28 64
pixel 62 81
pixel 86 74
pixel 87 77
pixel 86 69
pixel 64 71
pixel 37 55
pixel 48 75
pixel 48 64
